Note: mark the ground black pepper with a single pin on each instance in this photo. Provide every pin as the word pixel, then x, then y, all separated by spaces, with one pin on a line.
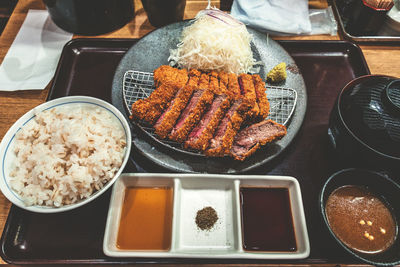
pixel 206 218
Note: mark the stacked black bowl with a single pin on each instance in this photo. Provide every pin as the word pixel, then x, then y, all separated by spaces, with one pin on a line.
pixel 364 126
pixel 364 131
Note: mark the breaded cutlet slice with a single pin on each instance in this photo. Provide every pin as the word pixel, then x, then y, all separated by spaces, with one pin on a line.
pixel 150 109
pixel 201 135
pixel 262 99
pixel 167 120
pixel 191 115
pixel 249 93
pixel 214 83
pixel 248 140
pixel 142 106
pixel 230 124
pixel 223 82
pixel 204 81
pixel 233 86
pixel 163 74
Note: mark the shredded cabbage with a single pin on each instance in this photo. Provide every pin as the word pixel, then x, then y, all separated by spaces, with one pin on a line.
pixel 214 41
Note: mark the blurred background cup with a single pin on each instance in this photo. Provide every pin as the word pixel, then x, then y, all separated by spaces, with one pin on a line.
pixel 90 17
pixel 364 17
pixel 164 12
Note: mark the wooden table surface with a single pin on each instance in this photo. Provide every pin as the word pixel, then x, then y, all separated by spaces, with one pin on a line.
pixel 380 59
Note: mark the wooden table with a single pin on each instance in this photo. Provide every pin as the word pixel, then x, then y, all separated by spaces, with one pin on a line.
pixel 380 59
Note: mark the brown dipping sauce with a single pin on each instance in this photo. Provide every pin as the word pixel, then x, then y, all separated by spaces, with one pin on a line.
pixel 360 219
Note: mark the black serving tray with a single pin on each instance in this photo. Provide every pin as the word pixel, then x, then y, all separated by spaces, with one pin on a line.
pixel 87 67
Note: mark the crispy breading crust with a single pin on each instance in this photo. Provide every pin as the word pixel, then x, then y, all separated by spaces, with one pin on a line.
pixel 204 81
pixel 214 84
pixel 262 142
pixel 249 94
pixel 195 114
pixel 233 125
pixel 233 86
pixel 161 73
pixel 202 142
pixel 164 127
pixel 142 106
pixel 151 108
pixel 193 118
pixel 227 139
pixel 262 99
pixel 139 109
pixel 223 82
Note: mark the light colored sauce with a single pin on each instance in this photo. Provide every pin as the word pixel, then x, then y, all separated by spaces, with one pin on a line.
pixel 146 219
pixel 360 219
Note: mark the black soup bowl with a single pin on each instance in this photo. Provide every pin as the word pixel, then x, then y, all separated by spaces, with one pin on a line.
pixel 382 187
pixel 364 125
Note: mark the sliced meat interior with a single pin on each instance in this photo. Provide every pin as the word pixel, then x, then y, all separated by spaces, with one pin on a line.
pixel 201 135
pixel 221 143
pixel 167 120
pixel 191 115
pixel 248 140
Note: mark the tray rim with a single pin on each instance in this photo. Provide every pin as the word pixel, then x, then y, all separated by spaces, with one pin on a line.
pixel 12 213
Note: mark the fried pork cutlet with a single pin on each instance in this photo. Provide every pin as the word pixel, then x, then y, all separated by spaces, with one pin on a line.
pixel 222 141
pixel 262 99
pixel 248 140
pixel 151 108
pixel 204 81
pixel 223 82
pixel 163 74
pixel 193 112
pixel 201 135
pixel 249 93
pixel 142 106
pixel 233 86
pixel 214 83
pixel 167 120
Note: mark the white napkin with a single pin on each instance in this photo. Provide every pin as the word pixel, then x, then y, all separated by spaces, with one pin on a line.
pixel 32 59
pixel 274 16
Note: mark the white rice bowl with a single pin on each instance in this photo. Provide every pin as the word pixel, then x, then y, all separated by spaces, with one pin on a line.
pixel 63 154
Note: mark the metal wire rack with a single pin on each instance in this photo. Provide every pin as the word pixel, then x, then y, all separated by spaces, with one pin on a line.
pixel 139 85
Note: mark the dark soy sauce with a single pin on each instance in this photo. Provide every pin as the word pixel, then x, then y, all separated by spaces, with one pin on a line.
pixel 267 223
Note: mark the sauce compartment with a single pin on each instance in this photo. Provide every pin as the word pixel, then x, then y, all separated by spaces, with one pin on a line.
pixel 146 219
pixel 280 227
pixel 205 216
pixel 267 222
pixel 140 206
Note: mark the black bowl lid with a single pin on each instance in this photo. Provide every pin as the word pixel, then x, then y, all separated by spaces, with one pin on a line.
pixel 370 108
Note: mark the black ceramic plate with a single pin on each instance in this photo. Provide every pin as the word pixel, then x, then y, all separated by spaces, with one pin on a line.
pixel 153 50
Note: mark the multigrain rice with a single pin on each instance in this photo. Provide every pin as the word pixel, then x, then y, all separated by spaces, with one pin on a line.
pixel 65 154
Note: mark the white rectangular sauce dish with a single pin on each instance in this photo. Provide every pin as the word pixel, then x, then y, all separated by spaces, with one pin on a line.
pixel 226 238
